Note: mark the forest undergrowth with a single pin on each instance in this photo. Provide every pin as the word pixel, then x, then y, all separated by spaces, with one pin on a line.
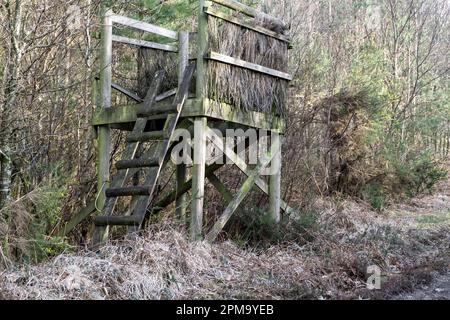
pixel 324 257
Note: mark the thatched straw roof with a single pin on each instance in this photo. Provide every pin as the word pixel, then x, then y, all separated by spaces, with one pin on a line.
pixel 246 89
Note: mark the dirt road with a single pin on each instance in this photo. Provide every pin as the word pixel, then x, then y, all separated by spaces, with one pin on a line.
pixel 429 213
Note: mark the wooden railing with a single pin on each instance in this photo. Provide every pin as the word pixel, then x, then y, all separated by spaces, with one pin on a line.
pixel 211 55
pixel 108 38
pixel 248 11
pixel 144 26
pixel 106 84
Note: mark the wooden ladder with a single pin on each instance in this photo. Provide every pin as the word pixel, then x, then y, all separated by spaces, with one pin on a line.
pixel 129 164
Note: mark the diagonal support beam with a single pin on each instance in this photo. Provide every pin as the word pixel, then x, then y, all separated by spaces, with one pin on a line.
pixel 210 171
pixel 240 163
pixel 243 192
pixel 223 190
pixel 176 194
pixel 127 92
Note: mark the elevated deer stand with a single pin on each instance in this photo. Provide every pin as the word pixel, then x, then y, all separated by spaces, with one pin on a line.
pixel 201 113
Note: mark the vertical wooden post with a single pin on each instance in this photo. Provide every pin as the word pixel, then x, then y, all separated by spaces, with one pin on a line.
pixel 183 52
pixel 275 182
pixel 104 134
pixel 183 49
pixel 202 43
pixel 200 126
pixel 198 178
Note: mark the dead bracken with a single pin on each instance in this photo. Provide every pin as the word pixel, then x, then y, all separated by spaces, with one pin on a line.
pixel 163 264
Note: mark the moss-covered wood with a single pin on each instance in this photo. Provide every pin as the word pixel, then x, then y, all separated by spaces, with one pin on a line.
pixel 198 178
pixel 222 188
pixel 246 24
pixel 196 108
pixel 242 165
pixel 248 65
pixel 242 193
pixel 275 183
pixel 76 219
pixel 144 26
pixel 249 11
pixel 182 171
pixel 103 131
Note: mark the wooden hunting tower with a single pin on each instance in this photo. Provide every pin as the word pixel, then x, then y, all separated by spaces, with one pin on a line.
pixel 238 60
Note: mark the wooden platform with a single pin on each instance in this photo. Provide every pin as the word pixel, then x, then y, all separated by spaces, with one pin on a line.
pixel 122 116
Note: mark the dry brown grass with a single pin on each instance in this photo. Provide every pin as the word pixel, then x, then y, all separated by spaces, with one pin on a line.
pixel 15 220
pixel 162 264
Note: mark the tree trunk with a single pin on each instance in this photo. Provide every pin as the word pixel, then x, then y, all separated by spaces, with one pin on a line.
pixel 10 94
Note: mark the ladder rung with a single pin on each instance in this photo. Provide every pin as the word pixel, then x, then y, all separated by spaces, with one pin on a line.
pixel 157 110
pixel 117 221
pixel 128 192
pixel 137 163
pixel 147 136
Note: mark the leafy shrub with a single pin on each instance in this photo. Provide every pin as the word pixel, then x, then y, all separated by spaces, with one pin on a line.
pixel 47 214
pixel 417 174
pixel 26 225
pixel 375 195
pixel 420 174
pixel 255 228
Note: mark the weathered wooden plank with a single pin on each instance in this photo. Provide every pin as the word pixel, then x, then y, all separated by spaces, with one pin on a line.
pixel 137 163
pixel 157 110
pixel 183 54
pixel 106 60
pixel 129 191
pixel 116 221
pixel 126 92
pixel 198 176
pixel 248 65
pixel 160 108
pixel 181 170
pixel 166 95
pixel 223 190
pixel 253 119
pixel 76 219
pixel 243 192
pixel 144 26
pixel 251 12
pixel 181 205
pixel 103 132
pixel 147 136
pixel 196 108
pixel 144 44
pixel 202 44
pixel 240 22
pixel 275 184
